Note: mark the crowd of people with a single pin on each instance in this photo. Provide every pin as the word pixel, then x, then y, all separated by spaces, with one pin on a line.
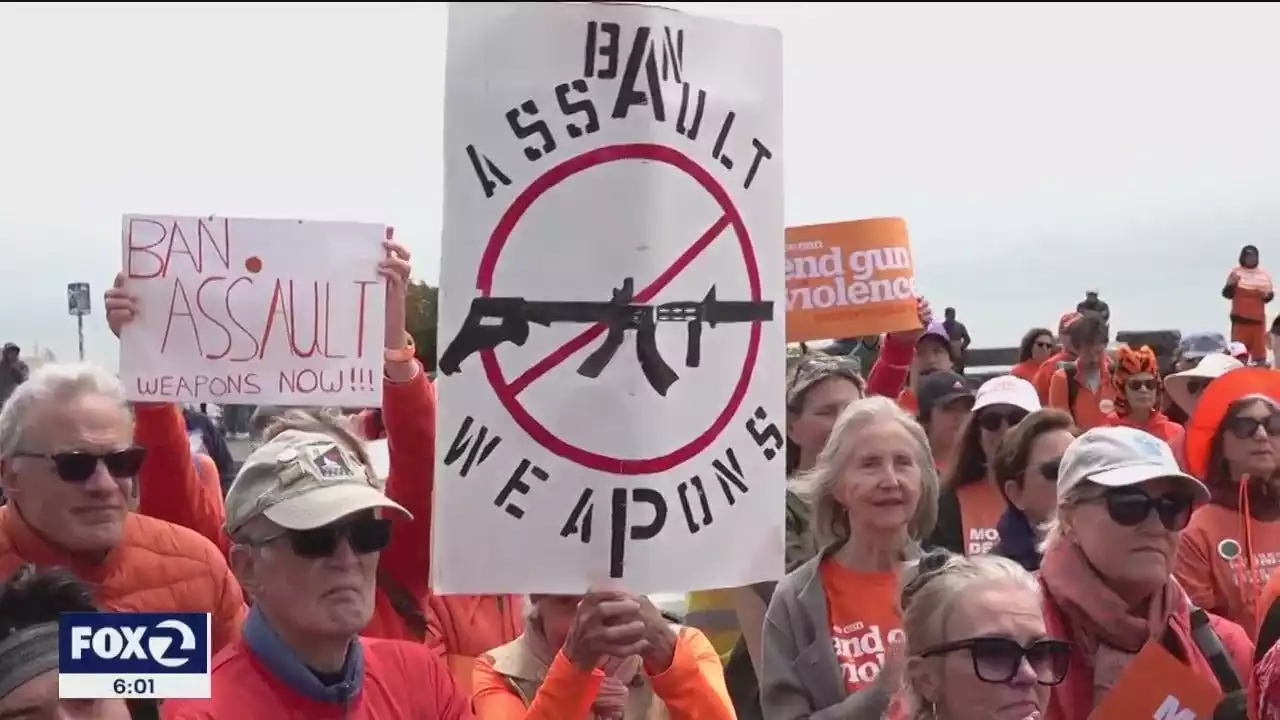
pixel 952 552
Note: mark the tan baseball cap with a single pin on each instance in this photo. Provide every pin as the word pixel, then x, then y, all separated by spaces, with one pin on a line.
pixel 301 481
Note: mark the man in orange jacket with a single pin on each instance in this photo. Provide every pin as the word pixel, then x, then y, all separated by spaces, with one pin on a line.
pixel 306 517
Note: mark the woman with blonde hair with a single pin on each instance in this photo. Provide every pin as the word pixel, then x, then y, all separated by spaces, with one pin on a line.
pixel 832 621
pixel 1107 570
pixel 977 645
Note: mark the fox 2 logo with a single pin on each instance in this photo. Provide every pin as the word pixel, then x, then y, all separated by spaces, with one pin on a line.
pixel 133 643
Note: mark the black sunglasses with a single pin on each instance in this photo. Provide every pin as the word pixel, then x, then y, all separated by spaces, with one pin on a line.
pixel 365 535
pixel 77 466
pixel 1245 427
pixel 1136 385
pixel 1130 508
pixel 996 660
pixel 993 420
pixel 1195 387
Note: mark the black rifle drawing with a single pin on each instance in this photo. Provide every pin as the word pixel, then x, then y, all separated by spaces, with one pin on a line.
pixel 619 315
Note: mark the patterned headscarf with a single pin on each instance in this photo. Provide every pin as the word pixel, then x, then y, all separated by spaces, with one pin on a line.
pixel 810 369
pixel 1130 362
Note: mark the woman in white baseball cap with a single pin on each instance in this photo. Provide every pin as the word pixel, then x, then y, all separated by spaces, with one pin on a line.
pixel 1108 569
pixel 1185 387
pixel 971 502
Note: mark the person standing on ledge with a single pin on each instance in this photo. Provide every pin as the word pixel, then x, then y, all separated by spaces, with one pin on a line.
pixel 959 335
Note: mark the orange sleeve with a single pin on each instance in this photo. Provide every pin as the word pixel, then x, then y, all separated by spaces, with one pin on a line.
pixel 409 413
pixel 1044 375
pixel 566 693
pixel 1058 397
pixel 168 487
pixel 211 488
pixel 693 688
pixel 1193 570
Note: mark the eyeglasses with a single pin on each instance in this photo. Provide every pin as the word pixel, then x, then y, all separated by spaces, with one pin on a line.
pixel 1137 385
pixel 993 420
pixel 1049 469
pixel 1245 427
pixel 77 466
pixel 996 660
pixel 1130 508
pixel 364 535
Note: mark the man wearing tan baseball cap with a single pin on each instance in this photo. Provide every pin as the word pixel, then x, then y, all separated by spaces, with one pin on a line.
pixel 307 516
pixel 303 481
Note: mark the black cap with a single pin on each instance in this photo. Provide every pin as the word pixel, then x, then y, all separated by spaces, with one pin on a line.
pixel 11 346
pixel 940 388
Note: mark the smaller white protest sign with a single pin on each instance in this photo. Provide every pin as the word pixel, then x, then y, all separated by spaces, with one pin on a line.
pixel 285 312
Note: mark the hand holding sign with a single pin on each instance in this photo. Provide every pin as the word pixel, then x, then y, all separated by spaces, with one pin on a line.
pixel 122 307
pixel 607 624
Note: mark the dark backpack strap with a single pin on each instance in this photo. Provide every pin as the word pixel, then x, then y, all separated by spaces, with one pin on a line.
pixel 1210 645
pixel 1268 634
pixel 405 605
pixel 1073 388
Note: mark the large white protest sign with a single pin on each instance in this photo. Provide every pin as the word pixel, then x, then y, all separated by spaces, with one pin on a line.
pixel 611 374
pixel 285 312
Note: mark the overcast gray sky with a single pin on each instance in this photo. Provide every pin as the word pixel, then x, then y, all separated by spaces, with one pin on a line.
pixel 1035 149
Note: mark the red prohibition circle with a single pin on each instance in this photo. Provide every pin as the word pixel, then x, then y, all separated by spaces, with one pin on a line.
pixel 484 284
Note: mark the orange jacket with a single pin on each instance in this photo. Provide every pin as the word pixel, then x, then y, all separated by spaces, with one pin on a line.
pixel 693 688
pixel 211 486
pixel 157 567
pixel 402 681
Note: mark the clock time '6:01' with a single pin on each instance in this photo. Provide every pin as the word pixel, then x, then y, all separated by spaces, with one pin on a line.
pixel 135 686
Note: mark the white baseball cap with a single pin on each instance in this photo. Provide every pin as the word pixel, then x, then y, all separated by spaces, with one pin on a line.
pixel 1007 390
pixel 1212 366
pixel 1236 349
pixel 1117 457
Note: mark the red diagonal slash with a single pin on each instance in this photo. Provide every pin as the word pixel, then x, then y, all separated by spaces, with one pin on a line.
pixel 586 337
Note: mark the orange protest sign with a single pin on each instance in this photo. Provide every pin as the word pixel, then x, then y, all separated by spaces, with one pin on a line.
pixel 849 279
pixel 1156 685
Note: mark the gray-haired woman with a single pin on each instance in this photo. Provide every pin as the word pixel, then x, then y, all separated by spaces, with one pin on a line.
pixel 833 624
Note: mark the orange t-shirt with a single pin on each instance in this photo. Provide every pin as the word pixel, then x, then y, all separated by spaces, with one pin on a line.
pixel 981 506
pixel 1026 370
pixel 1158 424
pixel 862 608
pixel 1211 564
pixel 1092 407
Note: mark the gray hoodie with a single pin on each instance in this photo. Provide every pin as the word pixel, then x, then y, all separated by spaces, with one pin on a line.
pixel 801 678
